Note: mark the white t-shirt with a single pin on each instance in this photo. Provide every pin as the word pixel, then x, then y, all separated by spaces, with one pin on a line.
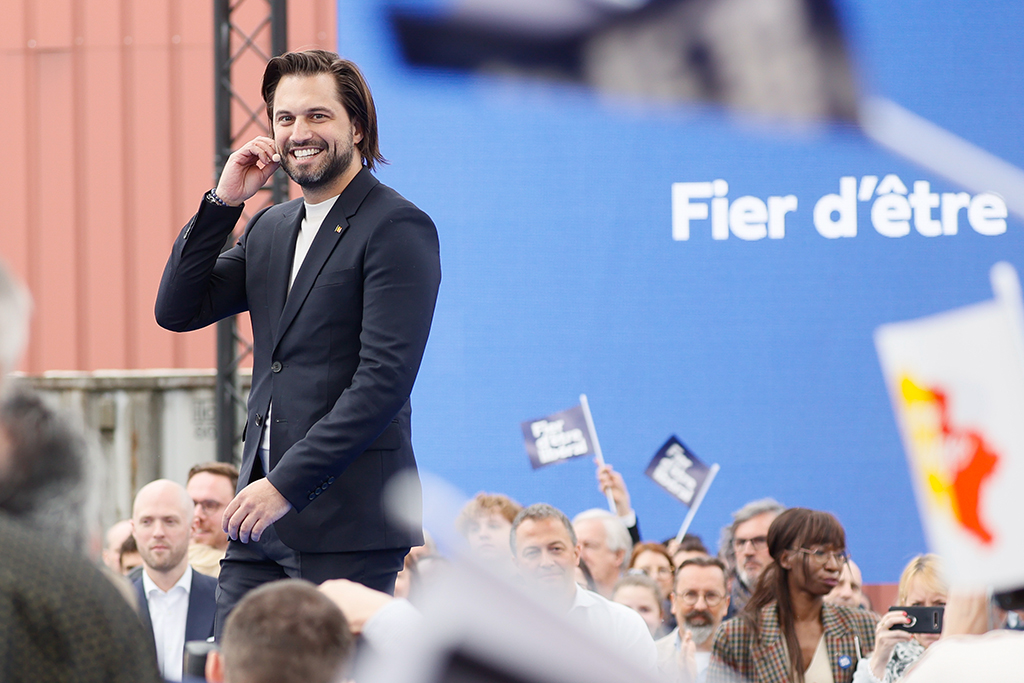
pixel 308 229
pixel 616 625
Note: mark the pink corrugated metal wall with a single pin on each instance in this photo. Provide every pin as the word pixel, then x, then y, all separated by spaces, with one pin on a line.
pixel 109 147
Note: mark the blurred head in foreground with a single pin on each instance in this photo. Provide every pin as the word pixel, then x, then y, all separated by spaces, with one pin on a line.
pixel 283 632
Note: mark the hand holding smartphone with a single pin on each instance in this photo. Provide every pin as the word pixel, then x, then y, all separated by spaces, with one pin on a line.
pixel 922 619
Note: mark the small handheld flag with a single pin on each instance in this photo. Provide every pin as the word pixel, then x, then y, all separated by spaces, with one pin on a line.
pixel 677 470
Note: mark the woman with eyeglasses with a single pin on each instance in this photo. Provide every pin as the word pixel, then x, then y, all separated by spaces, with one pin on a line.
pixel 787 633
pixel 653 560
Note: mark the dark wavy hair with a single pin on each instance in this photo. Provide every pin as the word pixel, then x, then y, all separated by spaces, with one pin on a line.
pixel 794 528
pixel 353 92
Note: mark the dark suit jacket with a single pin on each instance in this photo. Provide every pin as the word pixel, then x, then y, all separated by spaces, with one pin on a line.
pixel 337 355
pixel 738 655
pixel 202 606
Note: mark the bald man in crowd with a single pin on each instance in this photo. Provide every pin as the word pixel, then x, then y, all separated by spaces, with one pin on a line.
pixel 176 604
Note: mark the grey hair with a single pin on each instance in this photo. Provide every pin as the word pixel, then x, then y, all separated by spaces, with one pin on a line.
pixel 752 509
pixel 618 537
pixel 46 484
pixel 15 305
pixel 538 512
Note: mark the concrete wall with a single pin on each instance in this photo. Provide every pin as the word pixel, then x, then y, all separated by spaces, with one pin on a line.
pixel 140 426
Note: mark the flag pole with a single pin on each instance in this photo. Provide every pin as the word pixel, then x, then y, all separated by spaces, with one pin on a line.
pixel 597 445
pixel 696 503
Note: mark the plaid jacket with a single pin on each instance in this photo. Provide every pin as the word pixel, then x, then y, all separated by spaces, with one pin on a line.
pixel 736 655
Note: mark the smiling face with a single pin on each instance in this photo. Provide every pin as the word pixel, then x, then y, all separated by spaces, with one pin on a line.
pixel 314 135
pixel 211 493
pixel 546 557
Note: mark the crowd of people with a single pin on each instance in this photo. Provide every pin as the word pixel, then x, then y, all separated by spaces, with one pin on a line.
pixel 780 601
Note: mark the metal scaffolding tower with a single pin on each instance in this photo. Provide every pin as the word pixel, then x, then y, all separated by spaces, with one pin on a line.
pixel 244 31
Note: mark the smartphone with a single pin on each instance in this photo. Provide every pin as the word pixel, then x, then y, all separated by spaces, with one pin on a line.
pixel 922 619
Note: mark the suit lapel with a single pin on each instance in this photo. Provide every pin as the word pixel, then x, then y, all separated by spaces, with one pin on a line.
pixel 838 642
pixel 771 661
pixel 147 623
pixel 323 245
pixel 201 608
pixel 279 269
pixel 331 231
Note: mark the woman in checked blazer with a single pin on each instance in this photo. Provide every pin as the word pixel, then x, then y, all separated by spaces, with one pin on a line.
pixel 787 633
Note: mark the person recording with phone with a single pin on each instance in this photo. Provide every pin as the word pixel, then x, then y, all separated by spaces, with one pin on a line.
pixel 900 639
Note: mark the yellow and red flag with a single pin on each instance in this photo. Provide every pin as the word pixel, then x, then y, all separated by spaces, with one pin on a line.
pixel 956 381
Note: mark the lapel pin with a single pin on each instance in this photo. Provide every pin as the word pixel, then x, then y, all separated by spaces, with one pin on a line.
pixel 845 662
pixel 337 229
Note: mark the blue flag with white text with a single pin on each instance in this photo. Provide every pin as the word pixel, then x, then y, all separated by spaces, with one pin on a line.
pixel 557 437
pixel 677 470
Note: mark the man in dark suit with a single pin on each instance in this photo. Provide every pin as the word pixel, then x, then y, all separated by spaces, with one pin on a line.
pixel 340 287
pixel 176 604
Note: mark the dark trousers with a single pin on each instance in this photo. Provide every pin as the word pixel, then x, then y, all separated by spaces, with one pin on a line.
pixel 249 565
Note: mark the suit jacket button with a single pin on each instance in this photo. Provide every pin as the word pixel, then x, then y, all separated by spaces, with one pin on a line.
pixel 259 420
pixel 312 496
pixel 275 366
pixel 330 480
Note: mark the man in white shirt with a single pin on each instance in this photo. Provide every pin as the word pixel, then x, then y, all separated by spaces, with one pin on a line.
pixel 700 600
pixel 546 553
pixel 175 603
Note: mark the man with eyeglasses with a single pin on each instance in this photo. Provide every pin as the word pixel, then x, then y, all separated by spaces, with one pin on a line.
pixel 744 548
pixel 699 600
pixel 211 486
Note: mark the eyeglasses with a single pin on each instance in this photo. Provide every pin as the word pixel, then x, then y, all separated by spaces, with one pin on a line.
pixel 711 598
pixel 823 556
pixel 209 507
pixel 758 543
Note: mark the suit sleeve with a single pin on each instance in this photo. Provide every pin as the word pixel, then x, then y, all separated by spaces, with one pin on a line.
pixel 401 276
pixel 200 285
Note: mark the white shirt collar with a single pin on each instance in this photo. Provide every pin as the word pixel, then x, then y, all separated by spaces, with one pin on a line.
pixel 185 582
pixel 583 599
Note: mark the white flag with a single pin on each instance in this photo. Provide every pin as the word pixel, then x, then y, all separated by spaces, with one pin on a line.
pixel 956 381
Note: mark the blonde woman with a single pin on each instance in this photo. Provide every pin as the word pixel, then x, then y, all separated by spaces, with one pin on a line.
pixel 921 585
